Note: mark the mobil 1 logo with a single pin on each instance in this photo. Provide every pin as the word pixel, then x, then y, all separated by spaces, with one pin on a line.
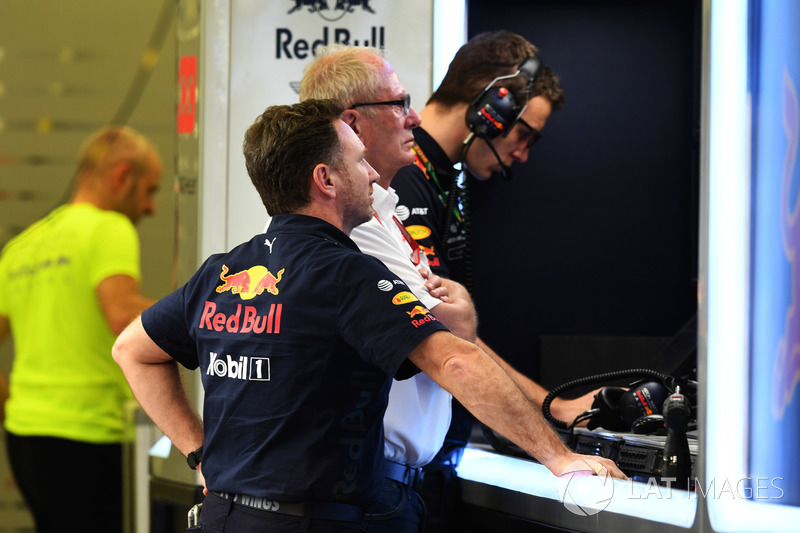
pixel 244 367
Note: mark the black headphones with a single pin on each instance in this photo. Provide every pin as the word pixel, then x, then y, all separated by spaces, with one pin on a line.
pixel 495 110
pixel 638 409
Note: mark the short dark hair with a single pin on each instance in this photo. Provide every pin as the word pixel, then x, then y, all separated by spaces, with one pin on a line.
pixel 487 56
pixel 283 146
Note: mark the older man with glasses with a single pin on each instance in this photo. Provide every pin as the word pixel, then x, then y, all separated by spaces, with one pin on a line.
pixel 418 415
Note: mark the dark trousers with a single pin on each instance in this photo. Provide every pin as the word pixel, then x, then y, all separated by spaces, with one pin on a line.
pixel 69 486
pixel 440 487
pixel 399 510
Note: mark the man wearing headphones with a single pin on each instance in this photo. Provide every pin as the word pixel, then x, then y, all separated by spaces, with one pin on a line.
pixel 445 138
pixel 488 111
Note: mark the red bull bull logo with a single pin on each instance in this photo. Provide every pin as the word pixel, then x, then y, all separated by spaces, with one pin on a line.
pixel 420 311
pixel 430 253
pixel 251 282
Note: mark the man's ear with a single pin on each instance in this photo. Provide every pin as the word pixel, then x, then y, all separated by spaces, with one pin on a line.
pixel 322 180
pixel 350 117
pixel 121 174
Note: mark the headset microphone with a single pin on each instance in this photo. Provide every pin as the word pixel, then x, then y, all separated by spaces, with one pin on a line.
pixel 505 171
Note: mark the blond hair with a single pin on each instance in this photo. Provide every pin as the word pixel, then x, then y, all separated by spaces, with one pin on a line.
pixel 347 74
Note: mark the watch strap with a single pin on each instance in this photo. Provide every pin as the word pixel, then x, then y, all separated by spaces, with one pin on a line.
pixel 194 458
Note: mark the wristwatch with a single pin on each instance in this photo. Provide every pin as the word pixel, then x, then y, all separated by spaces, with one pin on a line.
pixel 194 458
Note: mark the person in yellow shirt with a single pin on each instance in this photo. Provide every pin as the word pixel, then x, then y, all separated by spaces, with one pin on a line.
pixel 69 284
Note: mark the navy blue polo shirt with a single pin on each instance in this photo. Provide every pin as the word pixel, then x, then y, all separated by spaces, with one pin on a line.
pixel 295 333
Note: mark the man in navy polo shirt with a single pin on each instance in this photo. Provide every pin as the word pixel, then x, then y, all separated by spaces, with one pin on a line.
pixel 296 334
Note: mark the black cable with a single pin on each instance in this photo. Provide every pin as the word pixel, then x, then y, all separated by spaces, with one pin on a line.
pixel 460 194
pixel 668 381
pixel 452 191
pixel 452 195
pixel 586 415
pixel 465 217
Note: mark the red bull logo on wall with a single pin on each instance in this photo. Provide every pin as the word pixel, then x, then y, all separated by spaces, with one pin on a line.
pixel 290 46
pixel 331 10
pixel 251 282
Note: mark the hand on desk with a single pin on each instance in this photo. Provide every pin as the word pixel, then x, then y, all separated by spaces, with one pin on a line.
pixel 591 464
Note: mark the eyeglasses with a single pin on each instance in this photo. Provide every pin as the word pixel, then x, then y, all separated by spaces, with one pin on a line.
pixel 405 103
pixel 535 134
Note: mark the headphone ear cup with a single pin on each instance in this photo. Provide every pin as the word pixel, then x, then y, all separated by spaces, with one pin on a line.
pixel 492 113
pixel 607 403
pixel 642 399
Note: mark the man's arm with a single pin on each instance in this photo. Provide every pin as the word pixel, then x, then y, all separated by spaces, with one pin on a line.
pixel 565 410
pixel 155 381
pixel 452 305
pixel 562 409
pixel 488 392
pixel 120 301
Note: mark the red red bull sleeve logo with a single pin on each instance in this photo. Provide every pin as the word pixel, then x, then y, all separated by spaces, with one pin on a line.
pixel 423 313
pixel 251 282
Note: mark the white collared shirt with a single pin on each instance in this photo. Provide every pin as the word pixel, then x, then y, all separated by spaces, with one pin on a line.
pixel 419 411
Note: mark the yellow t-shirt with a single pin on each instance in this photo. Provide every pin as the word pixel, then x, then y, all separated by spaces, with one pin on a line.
pixel 64 382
